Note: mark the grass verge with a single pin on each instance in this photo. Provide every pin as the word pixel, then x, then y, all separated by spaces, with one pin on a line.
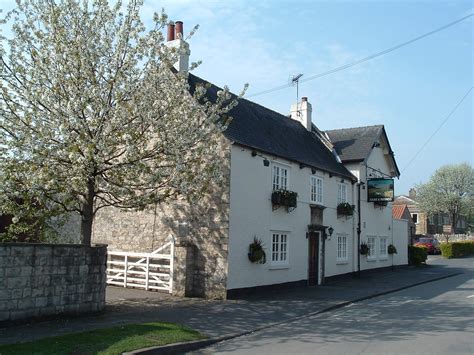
pixel 107 341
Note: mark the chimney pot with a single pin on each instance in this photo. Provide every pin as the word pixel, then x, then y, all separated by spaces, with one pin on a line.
pixel 170 31
pixel 179 29
pixel 304 99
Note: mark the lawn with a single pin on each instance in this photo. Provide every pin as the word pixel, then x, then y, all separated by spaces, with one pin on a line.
pixel 107 341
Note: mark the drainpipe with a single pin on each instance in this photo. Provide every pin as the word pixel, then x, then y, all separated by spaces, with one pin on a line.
pixel 358 227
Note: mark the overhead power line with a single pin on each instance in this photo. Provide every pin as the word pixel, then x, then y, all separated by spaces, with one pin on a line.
pixel 360 61
pixel 437 129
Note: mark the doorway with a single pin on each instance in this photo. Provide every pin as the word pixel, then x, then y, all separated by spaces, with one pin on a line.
pixel 313 262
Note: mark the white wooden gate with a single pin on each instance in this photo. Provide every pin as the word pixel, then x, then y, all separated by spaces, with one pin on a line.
pixel 151 271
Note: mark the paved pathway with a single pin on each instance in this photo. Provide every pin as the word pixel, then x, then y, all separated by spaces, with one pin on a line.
pixel 224 318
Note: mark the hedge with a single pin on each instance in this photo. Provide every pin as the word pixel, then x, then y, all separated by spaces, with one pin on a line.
pixel 457 249
pixel 417 255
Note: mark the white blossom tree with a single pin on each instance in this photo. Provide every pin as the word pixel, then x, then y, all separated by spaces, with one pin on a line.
pixel 92 115
pixel 450 190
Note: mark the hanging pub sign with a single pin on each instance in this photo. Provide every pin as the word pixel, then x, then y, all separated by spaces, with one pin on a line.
pixel 380 190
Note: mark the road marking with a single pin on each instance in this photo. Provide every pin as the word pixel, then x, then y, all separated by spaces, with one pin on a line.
pixel 471 296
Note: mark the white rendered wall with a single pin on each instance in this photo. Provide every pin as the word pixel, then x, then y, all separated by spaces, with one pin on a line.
pixel 401 241
pixel 375 220
pixel 251 215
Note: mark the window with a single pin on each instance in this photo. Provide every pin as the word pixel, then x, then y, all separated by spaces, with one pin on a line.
pixel 341 247
pixel 383 247
pixel 280 177
pixel 414 218
pixel 341 194
pixel 371 243
pixel 316 189
pixel 279 248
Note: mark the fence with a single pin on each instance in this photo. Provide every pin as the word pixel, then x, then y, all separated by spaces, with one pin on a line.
pixel 151 271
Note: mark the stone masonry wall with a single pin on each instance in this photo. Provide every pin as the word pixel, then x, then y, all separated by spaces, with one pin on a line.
pixel 202 225
pixel 41 280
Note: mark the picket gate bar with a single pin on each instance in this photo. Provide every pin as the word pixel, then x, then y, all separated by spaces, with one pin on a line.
pixel 151 271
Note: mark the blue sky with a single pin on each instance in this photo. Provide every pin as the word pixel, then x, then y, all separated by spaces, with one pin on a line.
pixel 410 91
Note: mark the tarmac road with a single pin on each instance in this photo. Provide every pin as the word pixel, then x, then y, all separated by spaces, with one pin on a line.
pixel 433 318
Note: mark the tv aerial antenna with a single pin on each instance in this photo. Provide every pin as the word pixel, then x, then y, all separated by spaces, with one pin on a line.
pixel 295 81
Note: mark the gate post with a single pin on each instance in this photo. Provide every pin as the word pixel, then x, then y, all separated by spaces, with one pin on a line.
pixel 172 252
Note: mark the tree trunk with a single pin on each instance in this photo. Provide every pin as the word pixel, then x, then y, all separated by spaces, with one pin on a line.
pixel 453 223
pixel 88 214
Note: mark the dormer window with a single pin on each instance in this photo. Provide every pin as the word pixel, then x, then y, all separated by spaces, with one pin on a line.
pixel 280 177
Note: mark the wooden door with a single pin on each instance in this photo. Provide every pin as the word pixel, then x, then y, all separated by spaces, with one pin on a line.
pixel 313 262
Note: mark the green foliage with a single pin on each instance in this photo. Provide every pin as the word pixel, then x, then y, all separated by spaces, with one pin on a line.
pixel 392 249
pixel 284 198
pixel 364 249
pixel 345 209
pixel 450 190
pixel 457 249
pixel 256 253
pixel 27 219
pixel 417 255
pixel 111 341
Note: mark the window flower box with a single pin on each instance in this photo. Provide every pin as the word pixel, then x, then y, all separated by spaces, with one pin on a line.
pixel 284 198
pixel 345 209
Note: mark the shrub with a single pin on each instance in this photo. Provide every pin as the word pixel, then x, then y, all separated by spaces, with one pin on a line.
pixel 457 249
pixel 417 255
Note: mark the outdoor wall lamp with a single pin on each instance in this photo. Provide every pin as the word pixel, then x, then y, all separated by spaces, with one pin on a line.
pixel 266 162
pixel 330 230
pixel 313 171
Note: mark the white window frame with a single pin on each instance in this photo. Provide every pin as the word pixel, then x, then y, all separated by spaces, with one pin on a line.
pixel 383 247
pixel 278 178
pixel 279 248
pixel 341 193
pixel 316 189
pixel 417 217
pixel 342 247
pixel 372 250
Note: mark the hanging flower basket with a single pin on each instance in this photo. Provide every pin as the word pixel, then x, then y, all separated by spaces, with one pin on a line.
pixel 345 209
pixel 256 253
pixel 284 198
pixel 364 249
pixel 391 249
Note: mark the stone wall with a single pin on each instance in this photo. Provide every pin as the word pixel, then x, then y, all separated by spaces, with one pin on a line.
pixel 41 280
pixel 202 225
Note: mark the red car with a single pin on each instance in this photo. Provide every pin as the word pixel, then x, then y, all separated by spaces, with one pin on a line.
pixel 430 243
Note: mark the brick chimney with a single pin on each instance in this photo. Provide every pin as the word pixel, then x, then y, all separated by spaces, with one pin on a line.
pixel 175 40
pixel 412 193
pixel 301 112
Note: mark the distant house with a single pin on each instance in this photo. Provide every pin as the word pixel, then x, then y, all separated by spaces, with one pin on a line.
pixel 425 224
pixel 401 212
pixel 301 191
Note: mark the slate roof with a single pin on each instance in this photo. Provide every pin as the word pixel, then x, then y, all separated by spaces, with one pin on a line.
pixel 258 127
pixel 354 144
